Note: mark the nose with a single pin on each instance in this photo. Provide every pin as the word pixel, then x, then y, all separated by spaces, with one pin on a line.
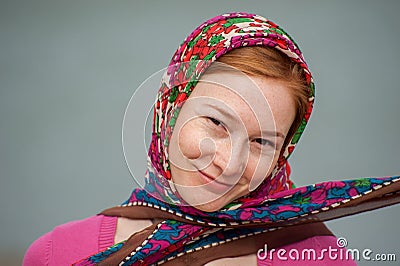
pixel 230 157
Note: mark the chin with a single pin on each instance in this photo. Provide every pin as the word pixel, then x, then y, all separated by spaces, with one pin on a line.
pixel 207 201
pixel 214 205
pixel 204 205
pixel 209 207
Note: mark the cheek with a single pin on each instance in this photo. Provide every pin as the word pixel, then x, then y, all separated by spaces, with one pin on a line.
pixel 188 141
pixel 259 167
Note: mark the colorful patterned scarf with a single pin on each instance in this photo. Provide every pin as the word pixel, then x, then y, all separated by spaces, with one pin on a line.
pixel 274 204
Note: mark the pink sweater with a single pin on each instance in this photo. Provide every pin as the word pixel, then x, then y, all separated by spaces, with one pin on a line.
pixel 76 240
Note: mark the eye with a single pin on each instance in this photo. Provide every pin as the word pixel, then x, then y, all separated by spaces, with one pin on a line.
pixel 264 142
pixel 215 121
pixel 216 128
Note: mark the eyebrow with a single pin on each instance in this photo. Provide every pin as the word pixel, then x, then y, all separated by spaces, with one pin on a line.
pixel 279 134
pixel 224 112
pixel 273 133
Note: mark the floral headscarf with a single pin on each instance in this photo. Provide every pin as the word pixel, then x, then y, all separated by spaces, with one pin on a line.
pixel 275 203
pixel 203 46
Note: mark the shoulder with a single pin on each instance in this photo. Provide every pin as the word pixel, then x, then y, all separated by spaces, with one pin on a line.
pixel 72 241
pixel 39 251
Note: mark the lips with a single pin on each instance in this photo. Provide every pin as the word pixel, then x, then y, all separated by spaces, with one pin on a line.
pixel 213 184
pixel 211 178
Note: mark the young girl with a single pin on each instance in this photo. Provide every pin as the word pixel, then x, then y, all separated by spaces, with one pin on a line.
pixel 231 107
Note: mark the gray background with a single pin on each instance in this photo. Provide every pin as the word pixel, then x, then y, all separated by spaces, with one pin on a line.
pixel 69 68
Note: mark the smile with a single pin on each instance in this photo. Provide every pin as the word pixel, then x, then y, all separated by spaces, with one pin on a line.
pixel 214 185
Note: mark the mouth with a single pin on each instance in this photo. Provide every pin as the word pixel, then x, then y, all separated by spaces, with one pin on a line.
pixel 212 182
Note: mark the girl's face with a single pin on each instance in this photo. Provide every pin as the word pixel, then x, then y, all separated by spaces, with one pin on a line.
pixel 228 137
